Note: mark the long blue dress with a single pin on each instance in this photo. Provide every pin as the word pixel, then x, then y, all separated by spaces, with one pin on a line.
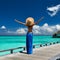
pixel 29 42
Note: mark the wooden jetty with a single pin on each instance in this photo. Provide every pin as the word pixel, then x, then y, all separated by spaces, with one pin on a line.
pixel 42 53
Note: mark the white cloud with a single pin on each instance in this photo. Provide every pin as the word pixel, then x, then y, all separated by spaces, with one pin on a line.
pixel 58 27
pixel 37 30
pixel 35 27
pixel 21 31
pixel 11 32
pixel 53 9
pixel 45 25
pixel 46 29
pixel 3 27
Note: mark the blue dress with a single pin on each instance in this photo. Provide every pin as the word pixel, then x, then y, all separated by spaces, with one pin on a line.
pixel 29 42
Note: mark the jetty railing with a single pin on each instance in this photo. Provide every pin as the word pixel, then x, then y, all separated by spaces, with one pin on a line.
pixel 12 49
pixel 24 48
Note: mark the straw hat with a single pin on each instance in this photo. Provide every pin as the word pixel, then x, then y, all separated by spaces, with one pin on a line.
pixel 29 21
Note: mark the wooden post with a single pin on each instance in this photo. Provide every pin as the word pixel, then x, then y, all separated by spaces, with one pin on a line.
pixel 24 48
pixel 50 43
pixel 20 51
pixel 46 44
pixel 53 42
pixel 11 51
pixel 40 45
pixel 33 46
pixel 57 42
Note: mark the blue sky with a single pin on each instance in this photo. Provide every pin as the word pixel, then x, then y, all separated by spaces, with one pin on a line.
pixel 21 9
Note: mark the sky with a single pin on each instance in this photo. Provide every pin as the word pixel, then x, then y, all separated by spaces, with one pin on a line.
pixel 22 9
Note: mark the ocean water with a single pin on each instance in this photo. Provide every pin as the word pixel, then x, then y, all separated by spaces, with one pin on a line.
pixel 7 42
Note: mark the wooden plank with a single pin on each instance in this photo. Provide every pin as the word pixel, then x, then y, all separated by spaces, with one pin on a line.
pixel 43 53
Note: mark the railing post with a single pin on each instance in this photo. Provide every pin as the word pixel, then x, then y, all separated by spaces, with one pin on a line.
pixel 33 46
pixel 24 48
pixel 40 45
pixel 53 42
pixel 46 44
pixel 11 51
pixel 20 51
pixel 50 43
pixel 57 42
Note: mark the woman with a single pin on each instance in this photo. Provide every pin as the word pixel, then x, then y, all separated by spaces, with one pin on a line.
pixel 29 37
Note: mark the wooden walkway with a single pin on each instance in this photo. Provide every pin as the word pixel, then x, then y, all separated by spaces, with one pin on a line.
pixel 42 53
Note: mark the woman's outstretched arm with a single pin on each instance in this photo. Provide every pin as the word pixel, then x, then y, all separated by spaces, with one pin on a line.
pixel 39 20
pixel 20 22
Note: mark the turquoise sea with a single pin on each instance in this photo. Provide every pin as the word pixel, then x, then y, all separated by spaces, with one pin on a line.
pixel 7 42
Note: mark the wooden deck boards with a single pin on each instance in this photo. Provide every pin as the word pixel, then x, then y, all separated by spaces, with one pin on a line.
pixel 43 53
